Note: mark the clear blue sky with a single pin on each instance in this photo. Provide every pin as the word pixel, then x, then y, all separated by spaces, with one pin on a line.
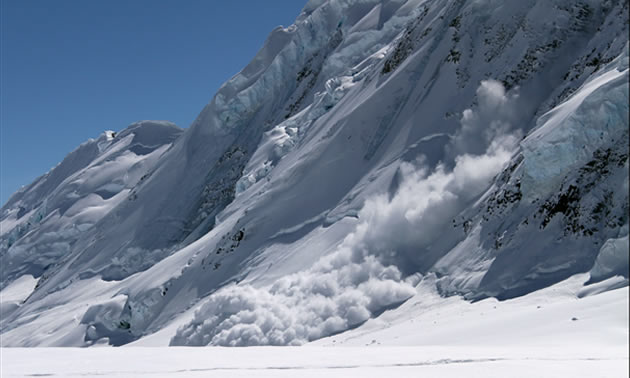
pixel 71 69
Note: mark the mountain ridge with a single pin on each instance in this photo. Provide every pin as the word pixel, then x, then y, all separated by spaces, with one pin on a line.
pixel 408 161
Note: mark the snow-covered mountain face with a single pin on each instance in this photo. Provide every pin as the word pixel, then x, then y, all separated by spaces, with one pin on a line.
pixel 41 222
pixel 374 145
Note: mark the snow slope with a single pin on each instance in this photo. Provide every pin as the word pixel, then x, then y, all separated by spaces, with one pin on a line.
pixel 373 155
pixel 42 221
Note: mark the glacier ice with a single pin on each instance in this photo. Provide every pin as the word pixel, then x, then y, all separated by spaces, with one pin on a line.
pixel 612 259
pixel 567 136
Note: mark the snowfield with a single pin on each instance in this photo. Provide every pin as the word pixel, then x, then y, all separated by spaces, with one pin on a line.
pixel 460 361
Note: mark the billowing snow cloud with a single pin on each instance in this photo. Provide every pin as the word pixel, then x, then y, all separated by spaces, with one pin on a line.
pixel 363 276
pixel 404 230
pixel 342 290
pixel 493 118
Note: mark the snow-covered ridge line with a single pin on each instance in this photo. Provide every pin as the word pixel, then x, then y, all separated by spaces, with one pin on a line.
pixel 45 218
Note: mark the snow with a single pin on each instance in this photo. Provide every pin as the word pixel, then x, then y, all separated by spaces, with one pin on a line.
pixel 345 288
pixel 339 292
pixel 93 180
pixel 549 333
pixel 12 296
pixel 316 362
pixel 542 319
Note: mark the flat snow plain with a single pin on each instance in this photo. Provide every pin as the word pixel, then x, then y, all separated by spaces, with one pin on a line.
pixel 425 361
pixel 566 330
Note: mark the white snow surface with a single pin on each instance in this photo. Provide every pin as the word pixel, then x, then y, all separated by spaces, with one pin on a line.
pixel 377 164
pixel 316 362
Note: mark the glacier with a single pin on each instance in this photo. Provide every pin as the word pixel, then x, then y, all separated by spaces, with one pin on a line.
pixel 369 152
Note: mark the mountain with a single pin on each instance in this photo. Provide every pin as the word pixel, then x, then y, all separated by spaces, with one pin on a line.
pixel 369 151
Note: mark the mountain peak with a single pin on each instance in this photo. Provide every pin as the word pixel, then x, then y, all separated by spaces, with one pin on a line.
pixel 370 151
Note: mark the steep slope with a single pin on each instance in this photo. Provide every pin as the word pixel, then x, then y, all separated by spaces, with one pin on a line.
pixel 369 145
pixel 41 222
